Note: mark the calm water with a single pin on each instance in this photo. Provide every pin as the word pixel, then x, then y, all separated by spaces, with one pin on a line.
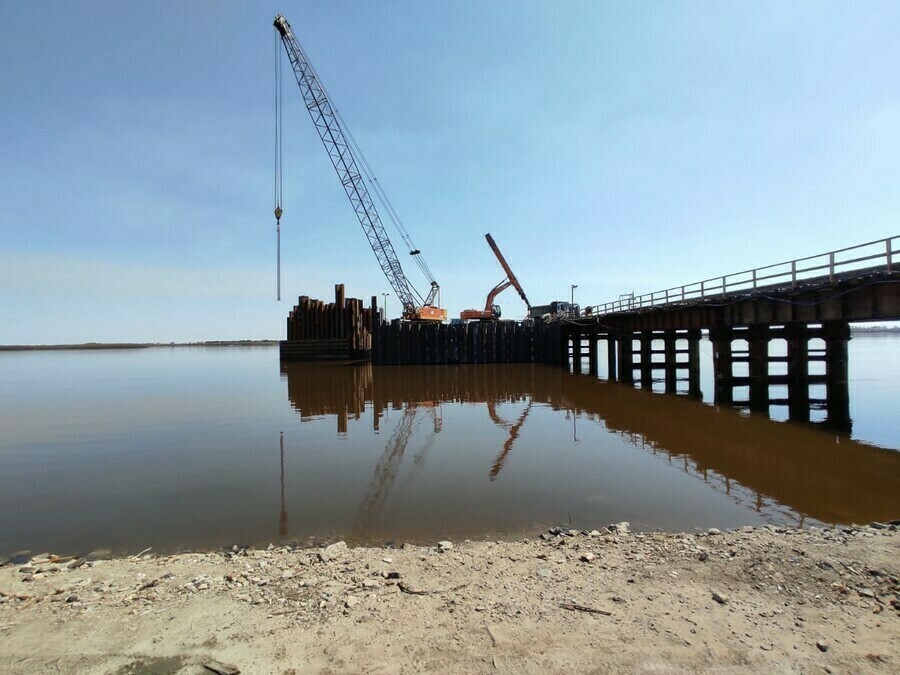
pixel 199 448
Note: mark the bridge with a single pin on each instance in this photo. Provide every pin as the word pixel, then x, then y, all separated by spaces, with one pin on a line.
pixel 808 302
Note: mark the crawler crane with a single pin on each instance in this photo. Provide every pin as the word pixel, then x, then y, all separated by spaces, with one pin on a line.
pixel 354 171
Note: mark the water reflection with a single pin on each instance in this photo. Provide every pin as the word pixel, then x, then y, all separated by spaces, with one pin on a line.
pixel 784 471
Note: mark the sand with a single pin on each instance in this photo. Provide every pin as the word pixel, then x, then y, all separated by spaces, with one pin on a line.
pixel 751 600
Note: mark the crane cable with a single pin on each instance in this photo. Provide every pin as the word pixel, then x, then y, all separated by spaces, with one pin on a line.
pixel 278 164
pixel 375 184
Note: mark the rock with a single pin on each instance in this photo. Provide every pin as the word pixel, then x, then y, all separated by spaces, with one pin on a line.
pixel 72 598
pixel 588 557
pixel 866 592
pixel 387 560
pixel 20 557
pixel 543 573
pixel 822 645
pixel 878 526
pixel 350 602
pixel 594 533
pixel 26 569
pixel 370 583
pixel 620 528
pixel 703 556
pixel 445 546
pixel 713 531
pixel 718 597
pixel 333 551
pixel 480 608
pixel 573 533
pixel 287 574
pixel 75 564
pixel 222 668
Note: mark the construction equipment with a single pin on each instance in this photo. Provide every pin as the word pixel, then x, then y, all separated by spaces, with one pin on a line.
pixel 491 312
pixel 354 172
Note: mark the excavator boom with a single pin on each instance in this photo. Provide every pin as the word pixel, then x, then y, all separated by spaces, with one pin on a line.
pixel 491 312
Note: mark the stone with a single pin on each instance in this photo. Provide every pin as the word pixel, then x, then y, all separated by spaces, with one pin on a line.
pixel 350 602
pixel 543 573
pixel 588 557
pixel 287 574
pixel 703 556
pixel 713 531
pixel 387 560
pixel 866 593
pixel 370 583
pixel 445 546
pixel 620 528
pixel 333 551
pixel 718 597
pixel 594 533
pixel 822 645
pixel 72 598
pixel 221 668
pixel 877 526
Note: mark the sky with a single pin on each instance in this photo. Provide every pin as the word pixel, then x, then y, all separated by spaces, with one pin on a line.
pixel 618 146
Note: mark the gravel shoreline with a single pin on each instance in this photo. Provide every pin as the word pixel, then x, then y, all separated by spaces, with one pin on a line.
pixel 808 600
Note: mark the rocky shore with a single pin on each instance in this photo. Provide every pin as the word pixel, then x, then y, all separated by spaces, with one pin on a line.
pixel 753 599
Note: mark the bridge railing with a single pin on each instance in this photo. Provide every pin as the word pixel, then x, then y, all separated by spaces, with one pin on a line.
pixel 880 254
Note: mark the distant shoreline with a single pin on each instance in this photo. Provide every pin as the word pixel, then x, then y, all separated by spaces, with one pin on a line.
pixel 137 345
pixel 858 330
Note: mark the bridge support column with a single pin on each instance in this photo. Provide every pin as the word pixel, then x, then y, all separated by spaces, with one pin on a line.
pixel 592 355
pixel 758 347
pixel 693 337
pixel 837 337
pixel 626 356
pixel 671 361
pixel 797 335
pixel 611 357
pixel 646 360
pixel 723 369
pixel 576 353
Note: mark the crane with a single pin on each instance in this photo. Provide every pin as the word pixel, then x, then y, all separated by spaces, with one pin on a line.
pixel 354 171
pixel 491 312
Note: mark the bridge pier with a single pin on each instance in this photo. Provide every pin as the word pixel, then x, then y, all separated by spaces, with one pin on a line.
pixel 592 355
pixel 625 346
pixel 758 356
pixel 723 366
pixel 798 336
pixel 837 336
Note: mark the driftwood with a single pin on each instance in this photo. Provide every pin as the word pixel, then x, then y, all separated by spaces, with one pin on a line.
pixel 421 591
pixel 581 608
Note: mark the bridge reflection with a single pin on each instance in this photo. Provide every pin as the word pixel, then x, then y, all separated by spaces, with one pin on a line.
pixel 790 466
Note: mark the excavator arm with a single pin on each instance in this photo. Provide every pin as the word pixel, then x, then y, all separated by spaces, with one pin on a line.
pixel 492 311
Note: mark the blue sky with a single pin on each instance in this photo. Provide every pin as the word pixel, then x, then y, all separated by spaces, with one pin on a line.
pixel 619 146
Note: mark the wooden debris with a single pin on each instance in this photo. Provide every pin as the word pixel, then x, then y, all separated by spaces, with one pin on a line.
pixel 421 591
pixel 138 555
pixel 581 608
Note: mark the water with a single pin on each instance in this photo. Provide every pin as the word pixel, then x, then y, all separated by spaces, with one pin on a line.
pixel 199 448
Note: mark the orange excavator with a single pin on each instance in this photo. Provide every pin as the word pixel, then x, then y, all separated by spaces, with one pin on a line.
pixel 491 312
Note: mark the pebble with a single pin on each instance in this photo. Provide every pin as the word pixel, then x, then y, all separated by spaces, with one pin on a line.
pixel 387 560
pixel 445 546
pixel 866 593
pixel 713 531
pixel 588 557
pixel 703 556
pixel 351 602
pixel 543 573
pixel 822 645
pixel 718 597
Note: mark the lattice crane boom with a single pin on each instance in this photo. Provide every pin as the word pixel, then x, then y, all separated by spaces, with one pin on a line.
pixel 339 144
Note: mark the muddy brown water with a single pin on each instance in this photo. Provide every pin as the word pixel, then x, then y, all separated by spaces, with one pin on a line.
pixel 189 448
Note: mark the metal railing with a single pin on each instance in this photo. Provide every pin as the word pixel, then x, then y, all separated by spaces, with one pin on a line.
pixel 881 254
